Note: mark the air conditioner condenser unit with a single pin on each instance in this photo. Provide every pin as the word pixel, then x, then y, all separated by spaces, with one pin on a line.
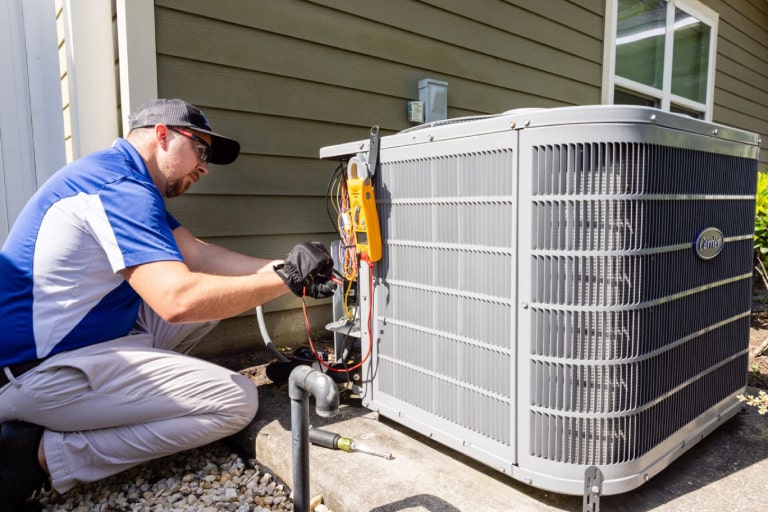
pixel 563 294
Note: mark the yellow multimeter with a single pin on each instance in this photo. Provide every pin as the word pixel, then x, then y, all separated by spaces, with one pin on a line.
pixel 362 209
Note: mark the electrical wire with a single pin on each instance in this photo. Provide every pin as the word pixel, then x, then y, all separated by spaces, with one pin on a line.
pixel 349 313
pixel 335 176
pixel 338 209
pixel 363 257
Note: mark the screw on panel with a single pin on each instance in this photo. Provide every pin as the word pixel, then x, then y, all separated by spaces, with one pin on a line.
pixel 653 117
pixel 524 305
pixel 593 487
pixel 527 122
pixel 431 138
pixel 512 125
pixel 715 131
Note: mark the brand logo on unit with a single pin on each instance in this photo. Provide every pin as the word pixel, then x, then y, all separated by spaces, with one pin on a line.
pixel 709 243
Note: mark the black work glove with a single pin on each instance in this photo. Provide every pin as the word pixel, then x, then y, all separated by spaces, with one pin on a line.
pixel 307 270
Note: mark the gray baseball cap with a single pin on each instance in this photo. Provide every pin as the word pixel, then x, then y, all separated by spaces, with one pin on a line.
pixel 175 112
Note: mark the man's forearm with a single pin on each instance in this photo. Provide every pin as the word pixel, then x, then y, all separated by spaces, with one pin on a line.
pixel 217 260
pixel 213 297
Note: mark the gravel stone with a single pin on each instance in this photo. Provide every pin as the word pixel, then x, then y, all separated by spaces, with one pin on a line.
pixel 208 479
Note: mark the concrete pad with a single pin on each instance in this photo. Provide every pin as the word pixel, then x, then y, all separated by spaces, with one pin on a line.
pixel 728 470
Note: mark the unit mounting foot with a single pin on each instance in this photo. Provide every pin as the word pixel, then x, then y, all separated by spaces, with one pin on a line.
pixel 593 487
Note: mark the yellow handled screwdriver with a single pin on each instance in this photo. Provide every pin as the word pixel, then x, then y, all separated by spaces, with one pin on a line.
pixel 336 442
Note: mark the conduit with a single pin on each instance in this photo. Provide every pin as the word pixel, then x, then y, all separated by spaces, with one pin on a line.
pixel 304 381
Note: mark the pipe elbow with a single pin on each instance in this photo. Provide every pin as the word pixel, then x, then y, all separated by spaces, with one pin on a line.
pixel 305 379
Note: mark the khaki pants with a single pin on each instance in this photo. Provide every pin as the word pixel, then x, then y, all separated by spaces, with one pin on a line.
pixel 116 404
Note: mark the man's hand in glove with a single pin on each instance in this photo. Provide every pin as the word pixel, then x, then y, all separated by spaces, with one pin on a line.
pixel 307 270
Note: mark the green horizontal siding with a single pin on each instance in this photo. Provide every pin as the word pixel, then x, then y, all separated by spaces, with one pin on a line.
pixel 741 93
pixel 287 77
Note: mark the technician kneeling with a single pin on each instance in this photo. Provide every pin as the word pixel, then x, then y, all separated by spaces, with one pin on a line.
pixel 103 293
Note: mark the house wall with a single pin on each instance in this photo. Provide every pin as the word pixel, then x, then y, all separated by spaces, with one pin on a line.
pixel 288 77
pixel 31 132
pixel 741 81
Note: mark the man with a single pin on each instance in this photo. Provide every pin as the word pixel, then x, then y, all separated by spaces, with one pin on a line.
pixel 103 292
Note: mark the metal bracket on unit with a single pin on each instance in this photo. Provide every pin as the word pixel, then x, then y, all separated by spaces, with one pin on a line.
pixel 593 487
pixel 373 150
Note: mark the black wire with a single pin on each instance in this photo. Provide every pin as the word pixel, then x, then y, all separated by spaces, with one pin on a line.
pixel 337 173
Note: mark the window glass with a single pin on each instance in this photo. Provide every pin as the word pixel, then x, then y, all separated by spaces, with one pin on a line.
pixel 621 97
pixel 687 112
pixel 690 59
pixel 662 54
pixel 640 31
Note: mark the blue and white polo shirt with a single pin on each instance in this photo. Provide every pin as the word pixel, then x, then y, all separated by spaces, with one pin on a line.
pixel 59 286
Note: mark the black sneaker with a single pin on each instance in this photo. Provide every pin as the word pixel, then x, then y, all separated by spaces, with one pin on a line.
pixel 20 471
pixel 27 506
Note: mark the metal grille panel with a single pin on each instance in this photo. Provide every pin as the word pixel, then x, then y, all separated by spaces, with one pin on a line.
pixel 603 439
pixel 633 336
pixel 446 288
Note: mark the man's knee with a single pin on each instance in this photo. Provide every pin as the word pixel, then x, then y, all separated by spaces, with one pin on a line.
pixel 250 399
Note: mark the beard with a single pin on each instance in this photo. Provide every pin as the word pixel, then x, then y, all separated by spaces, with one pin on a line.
pixel 174 188
pixel 176 185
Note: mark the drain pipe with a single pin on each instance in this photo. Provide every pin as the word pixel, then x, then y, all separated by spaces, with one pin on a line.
pixel 303 381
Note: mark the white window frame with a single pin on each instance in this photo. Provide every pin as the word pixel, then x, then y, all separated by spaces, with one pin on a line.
pixel 664 95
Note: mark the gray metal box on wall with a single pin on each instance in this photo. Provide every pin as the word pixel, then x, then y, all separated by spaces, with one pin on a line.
pixel 562 289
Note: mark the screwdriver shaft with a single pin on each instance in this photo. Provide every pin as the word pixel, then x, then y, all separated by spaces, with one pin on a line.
pixel 370 451
pixel 336 442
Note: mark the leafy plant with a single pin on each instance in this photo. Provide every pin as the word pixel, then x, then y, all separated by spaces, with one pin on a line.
pixel 761 227
pixel 760 401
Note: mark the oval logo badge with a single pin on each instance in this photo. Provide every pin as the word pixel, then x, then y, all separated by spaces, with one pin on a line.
pixel 708 244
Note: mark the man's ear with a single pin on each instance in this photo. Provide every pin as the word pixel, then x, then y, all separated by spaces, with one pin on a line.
pixel 161 135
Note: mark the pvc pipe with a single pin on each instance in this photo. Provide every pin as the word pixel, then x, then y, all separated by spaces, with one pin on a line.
pixel 303 381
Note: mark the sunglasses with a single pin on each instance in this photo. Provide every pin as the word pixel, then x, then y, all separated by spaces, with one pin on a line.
pixel 201 147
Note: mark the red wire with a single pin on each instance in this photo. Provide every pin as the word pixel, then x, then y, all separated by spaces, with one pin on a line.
pixel 364 257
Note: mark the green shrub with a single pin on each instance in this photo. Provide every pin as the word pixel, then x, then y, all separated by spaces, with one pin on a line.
pixel 760 401
pixel 761 227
